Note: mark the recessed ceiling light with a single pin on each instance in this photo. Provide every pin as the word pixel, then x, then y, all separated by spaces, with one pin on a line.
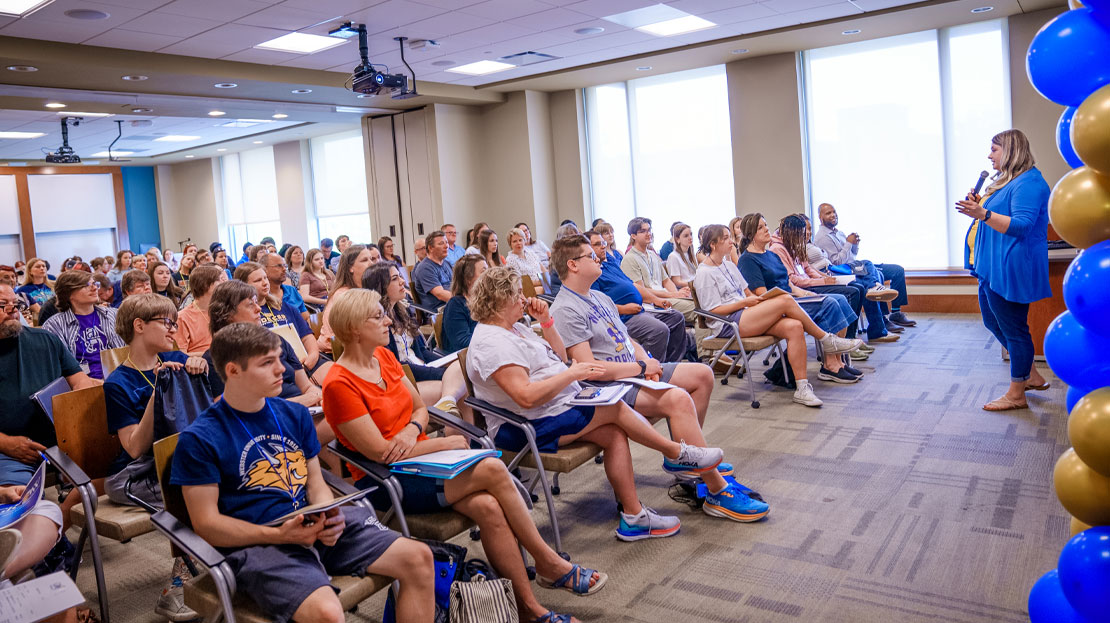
pixel 225 85
pixel 85 114
pixel 221 149
pixel 21 8
pixel 983 9
pixel 55 105
pixel 589 30
pixel 22 68
pixel 443 63
pixel 300 43
pixel 21 134
pixel 190 156
pixel 142 110
pixel 741 51
pixel 257 142
pixel 216 113
pixel 133 78
pixel 104 154
pixel 87 14
pixel 301 91
pixel 679 26
pixel 644 68
pixel 854 31
pixel 176 138
pixel 661 20
pixel 280 115
pixel 481 68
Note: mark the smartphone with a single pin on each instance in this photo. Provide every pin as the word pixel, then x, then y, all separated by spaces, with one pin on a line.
pixel 588 394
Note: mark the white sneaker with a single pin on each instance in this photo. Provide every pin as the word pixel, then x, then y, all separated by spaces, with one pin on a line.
pixel 804 395
pixel 882 293
pixel 694 459
pixel 834 344
pixel 647 525
pixel 172 605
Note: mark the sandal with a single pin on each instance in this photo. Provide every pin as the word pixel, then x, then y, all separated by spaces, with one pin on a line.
pixel 1004 404
pixel 1037 388
pixel 577 581
pixel 551 617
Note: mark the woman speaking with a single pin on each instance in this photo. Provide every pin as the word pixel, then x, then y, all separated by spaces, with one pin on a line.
pixel 1008 253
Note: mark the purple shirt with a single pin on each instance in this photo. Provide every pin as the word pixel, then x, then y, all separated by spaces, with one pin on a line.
pixel 90 341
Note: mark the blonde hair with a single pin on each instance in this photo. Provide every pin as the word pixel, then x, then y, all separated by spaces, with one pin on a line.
pixel 27 272
pixel 145 307
pixel 516 231
pixel 350 309
pixel 1017 158
pixel 489 294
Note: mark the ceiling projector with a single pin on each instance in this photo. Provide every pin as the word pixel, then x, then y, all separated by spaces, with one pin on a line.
pixel 65 153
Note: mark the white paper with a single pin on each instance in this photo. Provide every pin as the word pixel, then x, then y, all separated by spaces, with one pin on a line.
pixel 445 458
pixel 647 383
pixel 609 395
pixel 314 411
pixel 443 361
pixel 39 598
pixel 843 280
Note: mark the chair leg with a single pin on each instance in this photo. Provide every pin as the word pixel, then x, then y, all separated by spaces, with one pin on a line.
pixel 555 490
pixel 222 577
pixel 751 377
pixel 541 476
pixel 88 501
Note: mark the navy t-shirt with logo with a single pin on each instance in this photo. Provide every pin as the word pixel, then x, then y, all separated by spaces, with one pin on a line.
pixel 259 460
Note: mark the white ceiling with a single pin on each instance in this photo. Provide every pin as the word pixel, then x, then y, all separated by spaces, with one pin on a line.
pixel 468 30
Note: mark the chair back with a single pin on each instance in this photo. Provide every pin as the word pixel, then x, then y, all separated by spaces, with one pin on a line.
pixel 172 498
pixel 113 358
pixel 437 328
pixel 527 287
pixel 289 333
pixel 479 419
pixel 81 426
pixel 315 322
pixel 700 322
pixel 45 396
pixel 408 374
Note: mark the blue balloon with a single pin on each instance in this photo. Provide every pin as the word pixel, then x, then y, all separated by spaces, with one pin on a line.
pixel 1078 356
pixel 1067 60
pixel 1087 288
pixel 1047 603
pixel 1074 395
pixel 1063 139
pixel 1084 573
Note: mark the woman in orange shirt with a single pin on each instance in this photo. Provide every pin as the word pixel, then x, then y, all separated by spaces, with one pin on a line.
pixel 193 334
pixel 375 410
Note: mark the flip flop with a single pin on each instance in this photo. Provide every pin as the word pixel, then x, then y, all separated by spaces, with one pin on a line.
pixel 551 617
pixel 1004 404
pixel 1037 388
pixel 577 581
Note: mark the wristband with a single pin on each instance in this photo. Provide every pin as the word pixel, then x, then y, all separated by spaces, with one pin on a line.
pixel 550 323
pixel 987 216
pixel 419 428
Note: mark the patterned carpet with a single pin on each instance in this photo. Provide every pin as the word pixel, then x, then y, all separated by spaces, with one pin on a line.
pixel 899 500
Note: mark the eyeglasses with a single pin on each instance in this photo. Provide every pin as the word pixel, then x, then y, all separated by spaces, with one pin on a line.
pixel 590 255
pixel 94 284
pixel 16 306
pixel 170 323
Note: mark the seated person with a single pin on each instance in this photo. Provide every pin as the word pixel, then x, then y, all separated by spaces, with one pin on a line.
pixel 37 284
pixel 512 368
pixel 148 324
pixel 682 262
pixel 525 262
pixel 161 282
pixel 842 249
pixel 458 326
pixel 763 270
pixel 420 249
pixel 646 270
pixel 315 280
pixel 105 292
pixel 48 310
pixel 277 311
pixel 39 530
pixel 277 272
pixel 133 282
pixel 252 458
pixel 83 326
pixel 375 410
pixel 432 276
pixel 193 336
pixel 668 246
pixel 445 386
pixel 591 328
pixel 662 333
pixel 609 236
pixel 352 265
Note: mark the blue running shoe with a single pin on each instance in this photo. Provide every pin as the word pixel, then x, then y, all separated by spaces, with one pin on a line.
pixel 732 503
pixel 694 459
pixel 647 525
pixel 724 469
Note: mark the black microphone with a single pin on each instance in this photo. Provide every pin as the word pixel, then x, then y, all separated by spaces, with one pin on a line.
pixel 979 184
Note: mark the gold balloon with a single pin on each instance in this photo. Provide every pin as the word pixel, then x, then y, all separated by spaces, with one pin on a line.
pixel 1084 492
pixel 1089 430
pixel 1090 131
pixel 1075 4
pixel 1077 527
pixel 1079 207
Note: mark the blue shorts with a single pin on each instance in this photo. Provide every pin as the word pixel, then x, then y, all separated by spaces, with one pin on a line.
pixel 421 494
pixel 630 396
pixel 548 430
pixel 426 373
pixel 726 329
pixel 280 577
pixel 15 472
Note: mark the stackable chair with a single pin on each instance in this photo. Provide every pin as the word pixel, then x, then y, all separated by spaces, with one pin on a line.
pixel 315 322
pixel 745 345
pixel 565 459
pixel 289 333
pixel 112 358
pixel 213 594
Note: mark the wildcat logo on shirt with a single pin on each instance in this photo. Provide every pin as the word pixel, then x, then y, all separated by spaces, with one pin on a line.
pixel 269 466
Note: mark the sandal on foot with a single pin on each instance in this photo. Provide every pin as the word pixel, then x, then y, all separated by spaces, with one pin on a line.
pixel 551 617
pixel 577 581
pixel 1038 388
pixel 1005 404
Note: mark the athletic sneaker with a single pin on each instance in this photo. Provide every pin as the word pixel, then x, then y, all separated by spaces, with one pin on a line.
pixel 647 525
pixel 724 469
pixel 804 395
pixel 882 293
pixel 840 376
pixel 866 348
pixel 834 344
pixel 859 355
pixel 854 372
pixel 732 503
pixel 172 605
pixel 694 459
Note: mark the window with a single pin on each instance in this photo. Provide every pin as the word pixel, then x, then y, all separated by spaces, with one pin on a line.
pixel 660 147
pixel 250 198
pixel 339 185
pixel 897 130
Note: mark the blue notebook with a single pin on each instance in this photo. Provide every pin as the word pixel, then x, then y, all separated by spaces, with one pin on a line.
pixel 445 464
pixel 11 513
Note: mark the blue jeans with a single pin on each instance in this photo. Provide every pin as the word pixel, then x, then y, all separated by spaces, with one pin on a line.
pixel 1009 323
pixel 853 293
pixel 14 472
pixel 897 276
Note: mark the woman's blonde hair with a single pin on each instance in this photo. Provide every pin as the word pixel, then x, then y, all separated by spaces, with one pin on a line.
pixel 27 272
pixel 350 309
pixel 489 294
pixel 1017 158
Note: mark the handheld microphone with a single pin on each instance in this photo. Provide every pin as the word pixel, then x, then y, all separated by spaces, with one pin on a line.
pixel 979 184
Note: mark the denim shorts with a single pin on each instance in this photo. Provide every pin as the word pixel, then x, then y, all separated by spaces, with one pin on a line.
pixel 548 430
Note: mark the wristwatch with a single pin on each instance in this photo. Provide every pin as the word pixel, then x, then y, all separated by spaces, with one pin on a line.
pixel 643 370
pixel 988 216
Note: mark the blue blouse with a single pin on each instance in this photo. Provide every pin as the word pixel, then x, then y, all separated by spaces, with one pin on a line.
pixel 1015 264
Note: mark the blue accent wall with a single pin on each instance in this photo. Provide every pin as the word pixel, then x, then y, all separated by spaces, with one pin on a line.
pixel 141 202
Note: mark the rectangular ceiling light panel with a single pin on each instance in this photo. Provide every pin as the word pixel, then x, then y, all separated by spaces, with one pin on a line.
pixel 176 138
pixel 300 43
pixel 660 20
pixel 21 8
pixel 480 68
pixel 21 134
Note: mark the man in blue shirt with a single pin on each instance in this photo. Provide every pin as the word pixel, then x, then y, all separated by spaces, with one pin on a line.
pixel 292 312
pixel 663 332
pixel 454 251
pixel 250 460
pixel 432 276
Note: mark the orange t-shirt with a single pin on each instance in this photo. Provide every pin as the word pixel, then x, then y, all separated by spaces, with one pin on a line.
pixel 348 397
pixel 192 325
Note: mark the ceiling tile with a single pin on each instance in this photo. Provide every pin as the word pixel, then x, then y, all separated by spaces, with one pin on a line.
pixel 159 23
pixel 284 18
pixel 875 5
pixel 486 35
pixel 768 23
pixel 700 7
pixel 264 57
pixel 791 6
pixel 551 19
pixel 334 7
pixel 225 10
pixel 147 5
pixel 128 40
pixel 504 10
pixel 601 8
pixel 51 31
pixel 739 14
pixel 222 41
pixel 439 27
pixel 55 12
pixel 394 13
pixel 831 11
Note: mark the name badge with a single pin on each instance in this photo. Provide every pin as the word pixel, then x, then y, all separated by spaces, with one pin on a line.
pixel 84 366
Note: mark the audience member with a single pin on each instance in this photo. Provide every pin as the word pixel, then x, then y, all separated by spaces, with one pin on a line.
pixel 161 282
pixel 106 295
pixel 184 271
pixel 83 326
pixel 328 247
pixel 420 248
pixel 522 260
pixel 352 265
pixel 454 250
pixel 169 260
pixel 36 286
pixel 295 261
pixel 138 262
pixel 276 273
pixel 608 235
pixel 134 282
pixel 734 230
pixel 341 245
pixel 275 311
pixel 256 252
pixel 219 256
pixel 646 270
pixel 48 310
pixel 533 245
pixel 284 569
pixel 432 277
pixel 37 534
pixel 472 237
pixel 246 247
pixel 203 256
pixel 682 263
pixel 315 280
pixel 194 336
pixel 385 245
pixel 458 325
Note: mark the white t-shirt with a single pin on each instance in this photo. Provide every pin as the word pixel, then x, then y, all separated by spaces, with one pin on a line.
pixel 678 268
pixel 718 285
pixel 492 348
pixel 540 250
pixel 527 265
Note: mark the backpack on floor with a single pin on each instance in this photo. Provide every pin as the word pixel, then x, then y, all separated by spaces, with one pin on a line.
pixel 448 560
pixel 775 376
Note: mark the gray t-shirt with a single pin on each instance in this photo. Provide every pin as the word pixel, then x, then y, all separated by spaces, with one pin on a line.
pixel 718 285
pixel 593 318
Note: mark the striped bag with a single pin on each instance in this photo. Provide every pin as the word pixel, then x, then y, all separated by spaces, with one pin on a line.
pixel 482 601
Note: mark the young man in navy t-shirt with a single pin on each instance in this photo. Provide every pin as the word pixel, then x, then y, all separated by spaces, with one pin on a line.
pixel 252 458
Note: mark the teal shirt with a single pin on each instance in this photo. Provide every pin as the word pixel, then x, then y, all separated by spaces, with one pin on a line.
pixel 1015 264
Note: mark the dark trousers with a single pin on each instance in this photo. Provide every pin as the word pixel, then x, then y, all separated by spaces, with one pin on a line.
pixel 1009 323
pixel 897 276
pixel 855 296
pixel 661 333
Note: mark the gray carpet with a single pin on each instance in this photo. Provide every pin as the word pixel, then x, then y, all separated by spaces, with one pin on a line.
pixel 899 500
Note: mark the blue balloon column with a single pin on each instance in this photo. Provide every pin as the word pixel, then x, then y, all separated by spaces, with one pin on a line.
pixel 1068 62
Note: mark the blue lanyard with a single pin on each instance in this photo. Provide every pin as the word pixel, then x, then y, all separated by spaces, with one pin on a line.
pixel 284 451
pixel 731 281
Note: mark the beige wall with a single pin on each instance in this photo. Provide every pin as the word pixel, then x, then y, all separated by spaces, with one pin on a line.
pixel 188 202
pixel 568 141
pixel 292 170
pixel 1031 113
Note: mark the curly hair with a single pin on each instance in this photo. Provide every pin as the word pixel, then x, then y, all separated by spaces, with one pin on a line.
pixel 377 279
pixel 492 291
pixel 792 230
